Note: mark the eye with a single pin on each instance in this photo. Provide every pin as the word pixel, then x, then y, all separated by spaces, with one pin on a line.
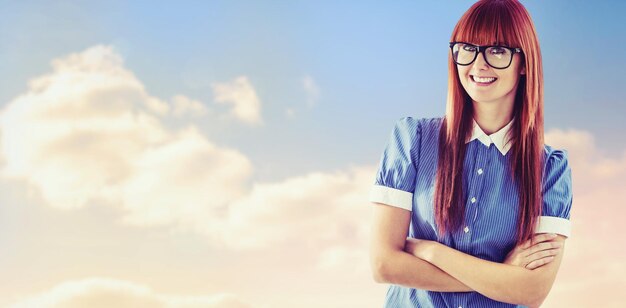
pixel 497 50
pixel 469 47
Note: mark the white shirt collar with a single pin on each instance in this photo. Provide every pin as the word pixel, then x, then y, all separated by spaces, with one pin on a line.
pixel 500 138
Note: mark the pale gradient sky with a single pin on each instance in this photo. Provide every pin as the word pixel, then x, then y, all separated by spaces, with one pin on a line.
pixel 219 154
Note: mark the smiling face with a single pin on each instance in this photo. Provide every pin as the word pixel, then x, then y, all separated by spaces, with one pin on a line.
pixel 485 84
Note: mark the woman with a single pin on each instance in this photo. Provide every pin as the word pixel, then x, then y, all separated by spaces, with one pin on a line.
pixel 484 202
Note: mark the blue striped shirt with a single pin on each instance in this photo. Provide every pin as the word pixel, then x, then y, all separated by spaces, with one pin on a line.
pixel 406 177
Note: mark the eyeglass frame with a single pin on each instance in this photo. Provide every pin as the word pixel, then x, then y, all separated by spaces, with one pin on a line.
pixel 481 49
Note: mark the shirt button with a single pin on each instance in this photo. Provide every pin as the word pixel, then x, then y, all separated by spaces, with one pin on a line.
pixel 480 171
pixel 473 200
pixel 466 229
pixel 460 307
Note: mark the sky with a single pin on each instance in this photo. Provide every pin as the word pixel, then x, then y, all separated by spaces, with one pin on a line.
pixel 220 153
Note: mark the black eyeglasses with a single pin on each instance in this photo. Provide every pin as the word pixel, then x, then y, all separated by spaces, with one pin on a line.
pixel 498 57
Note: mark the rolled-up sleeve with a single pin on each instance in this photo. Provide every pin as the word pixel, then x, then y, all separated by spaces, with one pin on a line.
pixel 557 195
pixel 395 179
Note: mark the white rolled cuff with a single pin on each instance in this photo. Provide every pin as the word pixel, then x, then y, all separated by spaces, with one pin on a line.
pixel 391 196
pixel 558 225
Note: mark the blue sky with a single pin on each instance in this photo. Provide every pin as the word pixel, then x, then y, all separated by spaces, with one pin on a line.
pixel 373 63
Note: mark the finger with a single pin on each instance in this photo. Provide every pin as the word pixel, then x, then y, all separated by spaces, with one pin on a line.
pixel 538 238
pixel 543 246
pixel 527 244
pixel 542 254
pixel 538 263
pixel 542 237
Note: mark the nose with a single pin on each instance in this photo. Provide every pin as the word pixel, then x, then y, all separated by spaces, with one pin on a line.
pixel 480 62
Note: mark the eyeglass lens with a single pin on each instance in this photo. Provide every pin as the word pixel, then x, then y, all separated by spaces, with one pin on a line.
pixel 497 57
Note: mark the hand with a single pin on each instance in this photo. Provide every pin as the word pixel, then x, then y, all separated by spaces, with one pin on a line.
pixel 419 247
pixel 534 253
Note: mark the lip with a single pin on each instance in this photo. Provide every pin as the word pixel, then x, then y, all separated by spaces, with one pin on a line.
pixel 482 84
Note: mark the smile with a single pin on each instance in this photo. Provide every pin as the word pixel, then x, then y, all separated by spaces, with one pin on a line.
pixel 483 80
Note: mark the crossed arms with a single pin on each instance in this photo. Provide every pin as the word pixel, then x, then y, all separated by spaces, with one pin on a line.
pixel 429 265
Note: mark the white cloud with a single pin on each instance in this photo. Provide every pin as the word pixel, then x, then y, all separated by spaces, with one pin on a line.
pixel 106 292
pixel 240 93
pixel 311 89
pixel 290 113
pixel 350 259
pixel 324 208
pixel 312 93
pixel 89 132
pixel 186 106
pixel 595 169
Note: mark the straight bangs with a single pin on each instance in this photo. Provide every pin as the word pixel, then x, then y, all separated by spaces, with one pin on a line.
pixel 490 23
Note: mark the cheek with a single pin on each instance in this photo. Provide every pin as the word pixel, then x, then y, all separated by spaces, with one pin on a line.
pixel 512 77
pixel 515 70
pixel 462 75
pixel 462 71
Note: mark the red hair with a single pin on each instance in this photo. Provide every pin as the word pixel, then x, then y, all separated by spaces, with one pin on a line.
pixel 503 22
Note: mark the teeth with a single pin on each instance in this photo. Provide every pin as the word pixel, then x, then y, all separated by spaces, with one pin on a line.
pixel 483 80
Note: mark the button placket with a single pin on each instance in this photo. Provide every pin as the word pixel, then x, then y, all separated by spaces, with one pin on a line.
pixel 472 188
pixel 483 160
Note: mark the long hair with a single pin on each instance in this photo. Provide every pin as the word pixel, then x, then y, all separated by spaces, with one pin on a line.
pixel 508 23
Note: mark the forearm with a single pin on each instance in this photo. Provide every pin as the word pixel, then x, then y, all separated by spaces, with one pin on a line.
pixel 404 269
pixel 501 282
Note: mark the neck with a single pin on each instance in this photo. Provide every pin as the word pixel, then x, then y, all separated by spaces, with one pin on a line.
pixel 492 116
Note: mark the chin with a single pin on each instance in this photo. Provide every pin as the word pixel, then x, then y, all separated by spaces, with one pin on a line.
pixel 481 98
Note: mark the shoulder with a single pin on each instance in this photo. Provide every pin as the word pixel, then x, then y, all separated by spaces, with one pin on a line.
pixel 553 156
pixel 556 165
pixel 549 150
pixel 418 125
